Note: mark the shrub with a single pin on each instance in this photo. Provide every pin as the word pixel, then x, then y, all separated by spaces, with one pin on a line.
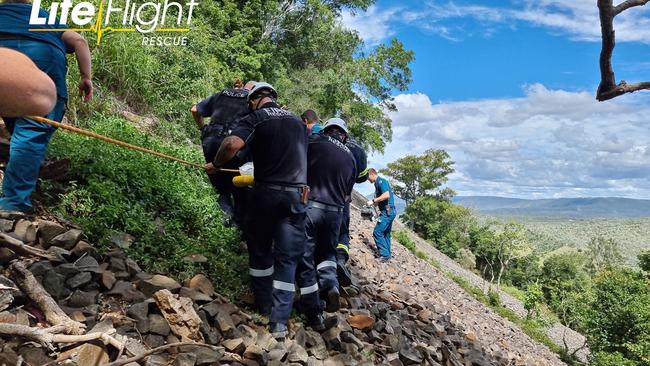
pixel 170 209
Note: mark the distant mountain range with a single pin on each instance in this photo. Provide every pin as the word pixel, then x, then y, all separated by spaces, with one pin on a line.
pixel 587 207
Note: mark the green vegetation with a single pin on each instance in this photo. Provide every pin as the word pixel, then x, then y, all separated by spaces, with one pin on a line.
pixel 170 210
pixel 588 289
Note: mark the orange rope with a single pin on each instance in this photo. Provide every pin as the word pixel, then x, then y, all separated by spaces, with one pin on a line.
pixel 97 136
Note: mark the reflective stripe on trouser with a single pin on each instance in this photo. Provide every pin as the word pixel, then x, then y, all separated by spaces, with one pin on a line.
pixel 323 229
pixel 276 239
pixel 29 138
pixel 343 246
pixel 319 261
pixel 382 233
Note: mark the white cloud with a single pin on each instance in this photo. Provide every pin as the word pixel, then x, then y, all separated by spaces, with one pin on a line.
pixel 372 25
pixel 578 19
pixel 548 143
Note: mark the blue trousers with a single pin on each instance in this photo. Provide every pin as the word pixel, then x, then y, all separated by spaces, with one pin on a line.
pixel 276 243
pixel 382 231
pixel 29 139
pixel 317 270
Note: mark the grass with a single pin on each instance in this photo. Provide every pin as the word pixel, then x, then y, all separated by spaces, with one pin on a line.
pixel 169 209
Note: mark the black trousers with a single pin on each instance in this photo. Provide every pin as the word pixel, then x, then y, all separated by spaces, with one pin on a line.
pixel 343 246
pixel 317 269
pixel 276 243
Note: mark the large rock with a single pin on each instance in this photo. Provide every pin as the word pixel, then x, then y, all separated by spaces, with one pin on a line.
pixel 48 230
pixel 257 354
pixel 88 354
pixel 66 240
pixel 79 280
pixel 202 283
pixel 158 282
pixel 158 325
pixel 204 355
pixel 24 231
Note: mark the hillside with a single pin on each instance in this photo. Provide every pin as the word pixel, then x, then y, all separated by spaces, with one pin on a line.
pixel 589 207
pixel 403 312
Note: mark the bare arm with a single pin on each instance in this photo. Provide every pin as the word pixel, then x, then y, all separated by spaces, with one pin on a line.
pixel 384 196
pixel 229 147
pixel 24 89
pixel 79 44
pixel 198 118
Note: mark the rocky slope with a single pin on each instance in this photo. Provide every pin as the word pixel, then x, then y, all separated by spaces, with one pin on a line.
pixel 558 333
pixel 106 310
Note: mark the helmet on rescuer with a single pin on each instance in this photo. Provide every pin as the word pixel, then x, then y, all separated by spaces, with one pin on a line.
pixel 259 88
pixel 338 123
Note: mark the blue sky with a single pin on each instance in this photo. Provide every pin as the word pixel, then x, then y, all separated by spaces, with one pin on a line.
pixel 507 87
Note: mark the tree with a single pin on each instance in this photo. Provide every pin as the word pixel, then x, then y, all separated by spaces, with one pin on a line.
pixel 618 319
pixel 608 89
pixel 644 260
pixel 564 279
pixel 602 253
pixel 497 249
pixel 421 175
pixel 445 224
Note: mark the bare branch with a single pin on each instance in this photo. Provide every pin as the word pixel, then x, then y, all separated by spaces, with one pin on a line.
pixel 46 336
pixel 35 291
pixel 623 88
pixel 608 89
pixel 19 247
pixel 628 4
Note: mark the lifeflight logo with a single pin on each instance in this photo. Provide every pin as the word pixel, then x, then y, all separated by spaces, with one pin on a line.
pixel 144 18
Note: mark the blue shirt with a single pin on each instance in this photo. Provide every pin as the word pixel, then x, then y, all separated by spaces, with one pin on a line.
pixel 382 186
pixel 14 20
pixel 316 129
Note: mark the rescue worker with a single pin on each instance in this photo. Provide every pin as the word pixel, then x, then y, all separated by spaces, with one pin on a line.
pixel 331 172
pixel 385 201
pixel 343 247
pixel 311 121
pixel 278 144
pixel 224 108
pixel 24 89
pixel 29 139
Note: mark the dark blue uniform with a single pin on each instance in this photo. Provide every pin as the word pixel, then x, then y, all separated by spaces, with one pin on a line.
pixel 278 143
pixel 382 232
pixel 361 176
pixel 330 174
pixel 224 108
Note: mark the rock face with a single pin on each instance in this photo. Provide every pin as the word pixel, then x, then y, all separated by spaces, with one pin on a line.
pixel 397 313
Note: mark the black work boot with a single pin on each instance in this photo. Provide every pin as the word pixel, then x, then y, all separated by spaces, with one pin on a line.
pixel 279 330
pixel 333 300
pixel 316 322
pixel 343 273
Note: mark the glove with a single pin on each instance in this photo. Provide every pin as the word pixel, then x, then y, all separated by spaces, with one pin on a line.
pixel 370 203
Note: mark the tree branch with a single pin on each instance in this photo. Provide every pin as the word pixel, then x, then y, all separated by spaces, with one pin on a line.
pixel 628 4
pixel 608 89
pixel 35 291
pixel 47 336
pixel 19 247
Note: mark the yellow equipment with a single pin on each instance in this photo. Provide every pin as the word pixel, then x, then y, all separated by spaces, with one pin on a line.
pixel 243 181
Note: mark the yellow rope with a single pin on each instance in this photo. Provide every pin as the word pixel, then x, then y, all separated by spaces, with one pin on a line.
pixel 97 136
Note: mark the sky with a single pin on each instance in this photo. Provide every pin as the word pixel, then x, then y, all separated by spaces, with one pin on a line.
pixel 508 89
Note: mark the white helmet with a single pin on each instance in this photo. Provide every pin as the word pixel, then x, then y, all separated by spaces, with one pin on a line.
pixel 338 123
pixel 259 87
